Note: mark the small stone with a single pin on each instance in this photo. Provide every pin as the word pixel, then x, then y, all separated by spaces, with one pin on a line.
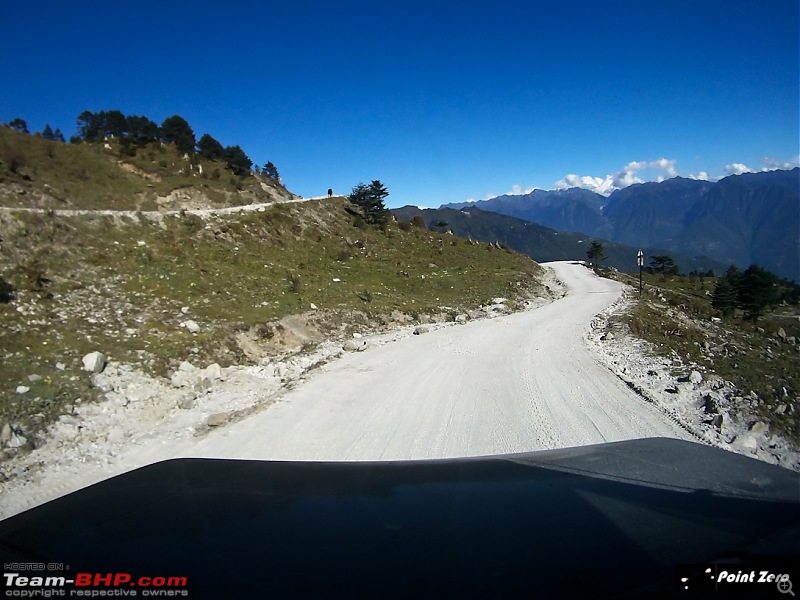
pixel 217 419
pixel 184 309
pixel 213 372
pixel 23 389
pixel 94 362
pixel 354 346
pixel 191 326
pixel 781 334
pixel 187 367
pixel 187 402
pixel 5 434
pixel 60 366
pixel 695 377
pixel 461 318
pixel 357 336
pixel 16 441
pixel 759 427
pixel 34 378
pixel 313 306
pixel 748 442
pixel 420 330
pixel 607 336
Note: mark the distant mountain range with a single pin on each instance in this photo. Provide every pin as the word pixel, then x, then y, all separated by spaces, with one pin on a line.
pixel 741 219
pixel 541 243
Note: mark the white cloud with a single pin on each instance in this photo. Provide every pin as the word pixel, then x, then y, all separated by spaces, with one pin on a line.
pixel 640 171
pixel 657 170
pixel 518 190
pixel 772 164
pixel 738 169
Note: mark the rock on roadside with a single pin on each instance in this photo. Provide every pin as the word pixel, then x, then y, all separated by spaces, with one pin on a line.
pixel 94 362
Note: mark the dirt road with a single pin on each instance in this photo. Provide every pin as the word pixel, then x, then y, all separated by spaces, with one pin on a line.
pixel 515 383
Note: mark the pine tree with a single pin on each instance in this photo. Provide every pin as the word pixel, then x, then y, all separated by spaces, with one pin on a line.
pixel 369 200
pixel 271 171
pixel 724 296
pixel 175 129
pixel 210 148
pixel 756 290
pixel 237 160
pixel 596 253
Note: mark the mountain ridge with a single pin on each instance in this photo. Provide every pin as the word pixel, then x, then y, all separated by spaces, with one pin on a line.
pixel 740 219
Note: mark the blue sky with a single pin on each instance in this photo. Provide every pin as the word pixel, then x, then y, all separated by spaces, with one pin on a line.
pixel 443 101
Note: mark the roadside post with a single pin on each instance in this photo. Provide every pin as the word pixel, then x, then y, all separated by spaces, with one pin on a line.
pixel 640 262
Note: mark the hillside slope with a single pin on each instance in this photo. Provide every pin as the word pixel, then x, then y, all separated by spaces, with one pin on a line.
pixel 154 289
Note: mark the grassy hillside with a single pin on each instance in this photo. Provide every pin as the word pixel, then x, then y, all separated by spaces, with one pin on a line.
pixel 35 172
pixel 762 359
pixel 127 285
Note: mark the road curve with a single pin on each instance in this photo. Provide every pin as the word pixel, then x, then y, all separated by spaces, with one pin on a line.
pixel 515 383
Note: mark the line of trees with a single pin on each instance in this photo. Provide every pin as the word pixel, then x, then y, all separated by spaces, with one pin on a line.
pixel 752 291
pixel 47 133
pixel 137 131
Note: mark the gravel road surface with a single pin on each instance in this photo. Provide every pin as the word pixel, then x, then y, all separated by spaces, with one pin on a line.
pixel 515 383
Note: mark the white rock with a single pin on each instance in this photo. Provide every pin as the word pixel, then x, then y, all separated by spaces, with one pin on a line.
pixel 34 378
pixel 213 372
pixel 217 419
pixel 60 366
pixel 313 306
pixel 357 336
pixel 695 377
pixel 184 309
pixel 187 367
pixel 192 326
pixel 16 441
pixel 748 442
pixel 336 280
pixel 23 389
pixel 94 362
pixel 5 434
pixel 420 330
pixel 354 346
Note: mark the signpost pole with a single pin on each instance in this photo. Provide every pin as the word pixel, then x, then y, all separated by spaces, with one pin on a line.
pixel 640 262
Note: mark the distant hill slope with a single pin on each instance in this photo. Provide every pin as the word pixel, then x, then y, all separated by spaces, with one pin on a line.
pixel 541 243
pixel 742 219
